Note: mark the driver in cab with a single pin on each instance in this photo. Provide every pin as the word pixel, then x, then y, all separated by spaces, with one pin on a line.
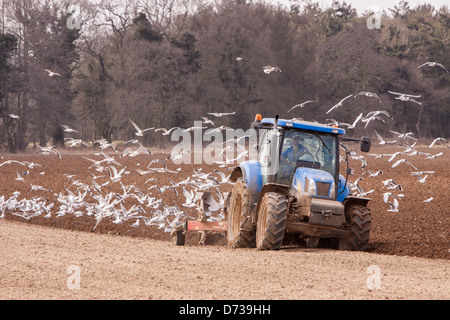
pixel 295 151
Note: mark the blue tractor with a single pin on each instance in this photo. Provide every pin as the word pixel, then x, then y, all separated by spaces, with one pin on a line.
pixel 293 190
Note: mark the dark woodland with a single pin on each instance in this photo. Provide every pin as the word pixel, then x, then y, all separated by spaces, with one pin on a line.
pixel 167 63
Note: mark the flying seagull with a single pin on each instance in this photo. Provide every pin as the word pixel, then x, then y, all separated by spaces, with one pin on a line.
pixel 68 129
pixel 139 132
pixel 403 161
pixel 52 74
pixel 218 115
pixel 367 94
pixel 166 132
pixel 382 141
pixel 406 97
pixel 421 176
pixel 394 206
pixel 269 69
pixel 208 121
pixel 435 155
pixel 300 105
pixel 339 104
pixel 433 64
pixel 436 140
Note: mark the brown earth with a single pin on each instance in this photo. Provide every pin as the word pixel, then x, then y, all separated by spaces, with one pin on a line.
pixel 418 230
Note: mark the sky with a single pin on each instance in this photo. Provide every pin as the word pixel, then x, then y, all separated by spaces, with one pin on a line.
pixel 363 5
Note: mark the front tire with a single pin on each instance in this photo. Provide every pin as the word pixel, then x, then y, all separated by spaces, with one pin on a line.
pixel 360 219
pixel 271 223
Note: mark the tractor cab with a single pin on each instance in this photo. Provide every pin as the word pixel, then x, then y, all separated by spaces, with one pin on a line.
pixel 303 155
pixel 294 151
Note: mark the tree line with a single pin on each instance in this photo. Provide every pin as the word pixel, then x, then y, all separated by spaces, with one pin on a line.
pixel 96 65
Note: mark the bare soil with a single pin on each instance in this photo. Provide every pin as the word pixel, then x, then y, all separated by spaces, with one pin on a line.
pixel 117 261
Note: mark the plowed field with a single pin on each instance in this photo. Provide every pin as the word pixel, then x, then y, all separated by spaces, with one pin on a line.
pixel 119 260
pixel 419 229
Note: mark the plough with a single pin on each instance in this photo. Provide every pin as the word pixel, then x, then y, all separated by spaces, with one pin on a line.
pixel 207 206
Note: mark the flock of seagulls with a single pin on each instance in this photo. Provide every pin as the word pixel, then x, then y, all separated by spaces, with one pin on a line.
pixel 90 198
pixel 141 205
pixel 410 151
pixel 389 184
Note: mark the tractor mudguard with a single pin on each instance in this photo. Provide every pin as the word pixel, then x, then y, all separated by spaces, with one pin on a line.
pixel 343 190
pixel 250 171
pixel 356 200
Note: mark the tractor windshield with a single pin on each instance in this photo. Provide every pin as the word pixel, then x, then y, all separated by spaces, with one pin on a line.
pixel 306 149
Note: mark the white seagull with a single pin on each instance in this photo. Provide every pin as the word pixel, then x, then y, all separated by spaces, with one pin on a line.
pixel 269 69
pixel 221 114
pixel 433 64
pixel 166 132
pixel 394 205
pixel 436 140
pixel 68 129
pixel 406 97
pixel 403 161
pixel 52 74
pixel 435 155
pixel 422 178
pixel 300 105
pixel 339 104
pixel 353 125
pixel 373 173
pixel 367 94
pixel 207 121
pixel 382 141
pixel 139 132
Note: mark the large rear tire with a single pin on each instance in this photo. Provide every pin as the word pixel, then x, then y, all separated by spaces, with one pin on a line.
pixel 271 223
pixel 238 211
pixel 360 219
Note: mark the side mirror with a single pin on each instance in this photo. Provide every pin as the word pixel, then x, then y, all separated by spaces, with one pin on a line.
pixel 365 144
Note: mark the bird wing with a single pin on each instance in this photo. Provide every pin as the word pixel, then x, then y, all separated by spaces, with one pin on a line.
pixel 442 66
pixel 415 101
pixel 347 97
pixel 425 64
pixel 378 136
pixel 135 125
pixel 398 162
pixel 296 106
pixel 334 107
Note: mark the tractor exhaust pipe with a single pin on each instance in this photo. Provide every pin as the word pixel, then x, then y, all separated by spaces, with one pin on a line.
pixel 273 164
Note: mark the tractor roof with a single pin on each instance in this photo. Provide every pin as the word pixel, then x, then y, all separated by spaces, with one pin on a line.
pixel 305 125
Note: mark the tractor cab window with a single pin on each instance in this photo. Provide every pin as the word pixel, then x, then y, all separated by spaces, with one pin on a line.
pixel 306 149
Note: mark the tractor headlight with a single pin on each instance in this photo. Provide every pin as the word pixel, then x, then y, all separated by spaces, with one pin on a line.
pixel 312 187
pixel 332 193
